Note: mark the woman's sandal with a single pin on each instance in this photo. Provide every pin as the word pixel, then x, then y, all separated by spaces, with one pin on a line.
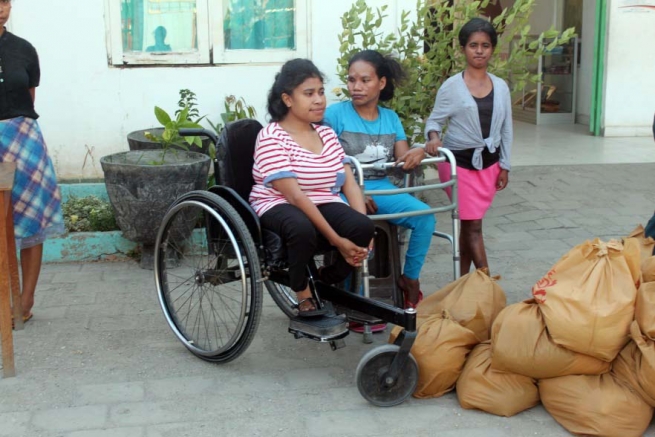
pixel 310 312
pixel 404 286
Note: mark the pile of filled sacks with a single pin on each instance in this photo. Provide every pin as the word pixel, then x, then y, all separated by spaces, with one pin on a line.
pixel 584 344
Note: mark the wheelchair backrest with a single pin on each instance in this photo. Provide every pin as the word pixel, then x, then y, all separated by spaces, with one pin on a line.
pixel 235 151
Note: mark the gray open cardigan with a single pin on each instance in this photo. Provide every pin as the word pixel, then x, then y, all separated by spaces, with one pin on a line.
pixel 455 108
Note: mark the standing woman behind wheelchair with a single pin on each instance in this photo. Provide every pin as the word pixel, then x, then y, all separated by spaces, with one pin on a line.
pixel 476 107
pixel 372 133
pixel 35 196
pixel 299 170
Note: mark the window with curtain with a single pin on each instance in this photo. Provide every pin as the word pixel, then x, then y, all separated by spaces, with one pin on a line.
pixel 190 31
pixel 259 24
pixel 159 25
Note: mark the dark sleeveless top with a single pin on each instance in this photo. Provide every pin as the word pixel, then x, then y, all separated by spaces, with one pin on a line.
pixel 19 71
pixel 464 158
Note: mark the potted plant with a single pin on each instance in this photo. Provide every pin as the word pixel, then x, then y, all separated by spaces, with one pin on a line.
pixel 142 184
pixel 151 139
pixel 236 109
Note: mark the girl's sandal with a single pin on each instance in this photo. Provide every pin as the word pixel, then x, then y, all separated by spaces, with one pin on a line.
pixel 312 308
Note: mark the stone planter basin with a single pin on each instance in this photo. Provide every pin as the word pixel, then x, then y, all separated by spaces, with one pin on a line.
pixel 140 192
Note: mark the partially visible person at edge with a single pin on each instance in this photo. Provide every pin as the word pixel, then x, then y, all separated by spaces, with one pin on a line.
pixel 650 226
pixel 35 196
pixel 475 106
pixel 372 133
pixel 299 170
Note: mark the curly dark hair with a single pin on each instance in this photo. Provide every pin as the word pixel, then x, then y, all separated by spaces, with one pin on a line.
pixel 293 73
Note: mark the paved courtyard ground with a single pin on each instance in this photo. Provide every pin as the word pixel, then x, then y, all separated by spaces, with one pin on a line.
pixel 98 359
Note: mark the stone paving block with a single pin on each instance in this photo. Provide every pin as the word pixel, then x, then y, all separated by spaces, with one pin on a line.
pixel 62 267
pixel 147 413
pixel 115 432
pixel 257 425
pixel 552 234
pixel 77 278
pixel 341 423
pixel 109 267
pixel 495 212
pixel 172 388
pixel 50 313
pixel 519 227
pixel 493 221
pixel 66 296
pixel 13 424
pixel 110 393
pixel 71 419
pixel 45 277
pixel 528 216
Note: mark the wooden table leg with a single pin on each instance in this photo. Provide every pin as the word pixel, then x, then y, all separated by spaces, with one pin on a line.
pixel 6 334
pixel 16 300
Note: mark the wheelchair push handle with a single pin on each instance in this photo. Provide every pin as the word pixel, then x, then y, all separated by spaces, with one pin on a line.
pixel 199 132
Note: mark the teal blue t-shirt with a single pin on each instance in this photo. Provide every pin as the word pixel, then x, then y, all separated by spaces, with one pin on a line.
pixel 368 141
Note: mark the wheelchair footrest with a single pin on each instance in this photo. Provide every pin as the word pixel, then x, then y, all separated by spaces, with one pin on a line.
pixel 327 328
pixel 358 317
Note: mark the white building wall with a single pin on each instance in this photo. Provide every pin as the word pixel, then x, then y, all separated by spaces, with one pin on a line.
pixel 629 96
pixel 87 107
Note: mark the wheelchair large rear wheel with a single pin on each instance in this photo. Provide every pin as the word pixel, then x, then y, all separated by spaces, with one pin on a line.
pixel 208 276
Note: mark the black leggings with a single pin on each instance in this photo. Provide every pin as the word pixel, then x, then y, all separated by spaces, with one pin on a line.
pixel 303 240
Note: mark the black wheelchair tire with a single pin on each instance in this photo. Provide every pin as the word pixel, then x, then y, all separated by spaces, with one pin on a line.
pixel 251 307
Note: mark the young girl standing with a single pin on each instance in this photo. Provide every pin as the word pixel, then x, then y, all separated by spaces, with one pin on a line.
pixel 476 107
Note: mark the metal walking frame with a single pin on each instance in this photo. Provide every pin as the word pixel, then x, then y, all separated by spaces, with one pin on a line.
pixel 445 155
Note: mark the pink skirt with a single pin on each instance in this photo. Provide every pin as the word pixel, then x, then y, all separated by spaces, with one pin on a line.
pixel 476 189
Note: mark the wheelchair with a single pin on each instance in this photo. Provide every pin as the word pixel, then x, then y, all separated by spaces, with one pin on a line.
pixel 212 260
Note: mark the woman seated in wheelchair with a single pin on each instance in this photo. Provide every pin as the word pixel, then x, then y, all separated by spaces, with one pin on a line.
pixel 372 133
pixel 299 170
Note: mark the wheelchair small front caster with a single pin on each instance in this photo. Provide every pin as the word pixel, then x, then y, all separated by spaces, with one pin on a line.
pixel 376 386
pixel 337 344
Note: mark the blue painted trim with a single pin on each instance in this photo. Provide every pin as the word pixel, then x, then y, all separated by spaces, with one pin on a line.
pixel 87 246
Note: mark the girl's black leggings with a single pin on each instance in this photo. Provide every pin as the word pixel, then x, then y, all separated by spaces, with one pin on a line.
pixel 303 240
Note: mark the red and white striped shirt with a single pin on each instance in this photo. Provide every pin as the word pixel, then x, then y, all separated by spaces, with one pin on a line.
pixel 278 156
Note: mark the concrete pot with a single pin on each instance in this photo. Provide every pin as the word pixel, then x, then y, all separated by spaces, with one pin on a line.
pixel 140 192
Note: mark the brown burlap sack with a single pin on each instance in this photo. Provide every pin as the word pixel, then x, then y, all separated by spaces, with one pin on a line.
pixel 520 344
pixel 500 393
pixel 440 349
pixel 645 309
pixel 624 369
pixel 645 364
pixel 632 253
pixel 474 300
pixel 648 269
pixel 595 405
pixel 588 298
pixel 646 244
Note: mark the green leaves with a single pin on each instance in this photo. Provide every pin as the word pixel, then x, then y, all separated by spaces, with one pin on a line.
pixel 162 116
pixel 438 24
